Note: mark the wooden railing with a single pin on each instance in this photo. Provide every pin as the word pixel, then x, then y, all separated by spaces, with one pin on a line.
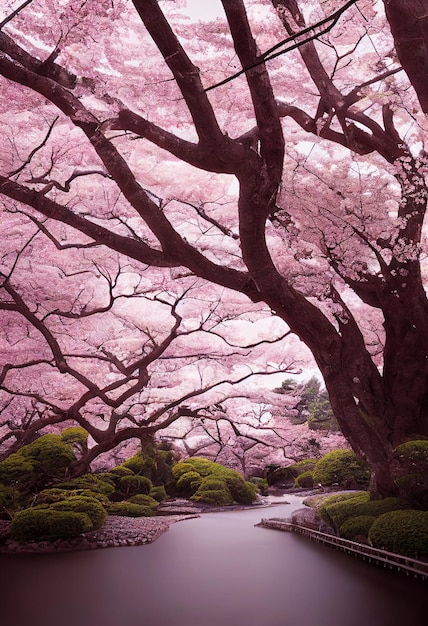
pixel 411 567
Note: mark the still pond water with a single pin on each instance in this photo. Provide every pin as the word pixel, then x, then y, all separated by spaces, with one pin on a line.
pixel 217 570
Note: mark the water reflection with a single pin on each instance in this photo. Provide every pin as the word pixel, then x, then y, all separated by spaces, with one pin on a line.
pixel 214 571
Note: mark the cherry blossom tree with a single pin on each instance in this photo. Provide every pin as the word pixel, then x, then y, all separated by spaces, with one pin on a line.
pixel 276 152
pixel 103 347
pixel 249 437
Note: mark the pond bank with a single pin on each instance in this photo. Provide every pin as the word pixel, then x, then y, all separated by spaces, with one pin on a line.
pixel 119 531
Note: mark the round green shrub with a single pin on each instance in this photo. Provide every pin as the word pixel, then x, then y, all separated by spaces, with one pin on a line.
pixel 128 509
pixel 415 451
pixel 242 491
pixel 338 512
pixel 409 469
pixel 49 455
pixel 341 467
pixel 323 508
pixel 261 484
pixel 11 500
pixel 135 463
pixel 158 493
pixel 80 504
pixel 131 485
pixel 93 482
pixel 75 434
pixel 357 528
pixel 280 475
pixel 403 532
pixel 197 464
pixel 35 524
pixel 188 483
pixel 213 497
pixel 49 496
pixel 16 470
pixel 144 499
pixel 306 465
pixel 120 470
pixel 305 480
pixel 191 476
pixel 213 491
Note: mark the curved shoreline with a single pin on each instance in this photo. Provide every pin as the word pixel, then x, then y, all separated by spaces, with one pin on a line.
pixel 116 532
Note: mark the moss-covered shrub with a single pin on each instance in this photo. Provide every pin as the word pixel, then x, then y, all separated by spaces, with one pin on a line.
pixel 403 532
pixel 279 475
pixel 188 483
pixel 287 475
pixel 155 462
pixel 131 485
pixel 305 480
pixel 241 490
pixel 306 465
pixel 119 471
pixel 190 478
pixel 16 470
pixel 213 491
pixel 128 509
pixel 325 504
pixel 93 482
pixel 80 504
pixel 55 494
pixel 145 500
pixel 11 500
pixel 357 528
pixel 49 455
pixel 158 493
pixel 337 513
pixel 37 464
pixel 196 464
pixel 75 435
pixel 261 484
pixel 135 463
pixel 415 452
pixel 49 496
pixel 35 524
pixel 341 467
pixel 409 469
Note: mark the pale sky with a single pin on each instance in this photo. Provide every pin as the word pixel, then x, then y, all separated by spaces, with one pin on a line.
pixel 207 10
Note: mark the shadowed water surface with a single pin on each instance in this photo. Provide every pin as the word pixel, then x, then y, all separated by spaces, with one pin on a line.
pixel 214 571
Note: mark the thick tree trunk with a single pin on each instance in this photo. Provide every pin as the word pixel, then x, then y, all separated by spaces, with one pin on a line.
pixel 408 20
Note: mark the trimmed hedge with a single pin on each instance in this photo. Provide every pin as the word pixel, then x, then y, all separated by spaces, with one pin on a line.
pixel 341 467
pixel 94 482
pixel 132 485
pixel 128 509
pixel 195 464
pixel 188 483
pixel 357 528
pixel 337 513
pixel 403 532
pixel 47 496
pixel 75 434
pixel 145 500
pixel 410 472
pixel 158 493
pixel 229 486
pixel 305 480
pixel 80 504
pixel 213 490
pixel 36 524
